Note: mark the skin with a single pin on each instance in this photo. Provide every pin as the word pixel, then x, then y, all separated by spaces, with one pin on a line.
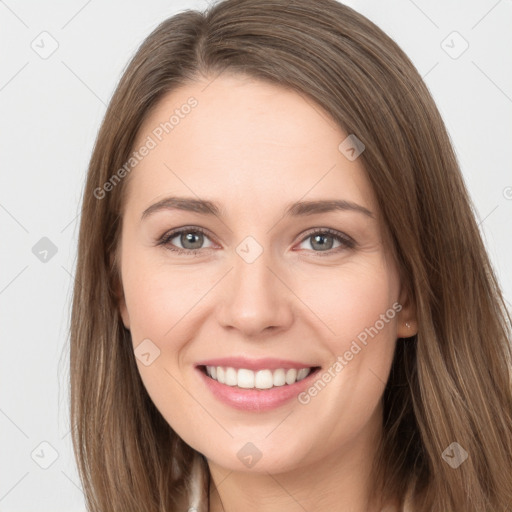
pixel 254 148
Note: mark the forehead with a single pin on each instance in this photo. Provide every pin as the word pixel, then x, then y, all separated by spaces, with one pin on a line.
pixel 243 140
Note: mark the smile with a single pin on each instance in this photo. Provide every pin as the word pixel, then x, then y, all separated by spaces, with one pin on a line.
pixel 258 390
pixel 261 379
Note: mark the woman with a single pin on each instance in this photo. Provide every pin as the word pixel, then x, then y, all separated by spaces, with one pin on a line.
pixel 335 338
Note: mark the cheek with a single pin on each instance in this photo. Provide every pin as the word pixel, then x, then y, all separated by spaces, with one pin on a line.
pixel 159 297
pixel 345 303
pixel 158 300
pixel 351 298
pixel 359 306
pixel 340 308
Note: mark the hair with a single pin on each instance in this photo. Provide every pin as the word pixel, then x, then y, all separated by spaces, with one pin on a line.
pixel 451 382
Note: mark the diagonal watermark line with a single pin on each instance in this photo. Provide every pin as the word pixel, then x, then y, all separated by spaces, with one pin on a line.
pixel 280 423
pixel 198 301
pixel 484 16
pixel 13 13
pixel 77 486
pixel 286 491
pixel 76 14
pixel 376 376
pixel 14 218
pixel 14 423
pixel 65 435
pixel 83 82
pixel 424 14
pixel 69 223
pixel 14 486
pixel 68 432
pixel 73 278
pixel 314 106
pixel 14 76
pixel 492 81
pixel 492 211
pixel 424 76
pixel 216 490
pixel 301 300
pixel 217 485
pixel 199 403
pixel 13 279
pixel 210 82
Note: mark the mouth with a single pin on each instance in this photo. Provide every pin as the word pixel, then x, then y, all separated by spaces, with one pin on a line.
pixel 263 379
pixel 255 384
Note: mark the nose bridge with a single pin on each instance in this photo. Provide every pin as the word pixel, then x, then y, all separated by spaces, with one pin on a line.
pixel 254 297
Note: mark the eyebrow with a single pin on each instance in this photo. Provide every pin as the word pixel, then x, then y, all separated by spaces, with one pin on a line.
pixel 298 209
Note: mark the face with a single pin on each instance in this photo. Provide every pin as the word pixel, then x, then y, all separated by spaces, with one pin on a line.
pixel 232 274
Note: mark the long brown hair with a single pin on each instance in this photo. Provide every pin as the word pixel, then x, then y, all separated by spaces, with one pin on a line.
pixel 449 383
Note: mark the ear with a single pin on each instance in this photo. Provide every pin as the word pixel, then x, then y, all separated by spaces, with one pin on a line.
pixel 407 324
pixel 119 294
pixel 123 310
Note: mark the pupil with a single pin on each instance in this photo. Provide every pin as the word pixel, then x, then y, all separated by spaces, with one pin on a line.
pixel 189 237
pixel 322 246
pixel 319 240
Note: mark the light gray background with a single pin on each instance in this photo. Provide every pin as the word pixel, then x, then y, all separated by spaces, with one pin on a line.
pixel 51 109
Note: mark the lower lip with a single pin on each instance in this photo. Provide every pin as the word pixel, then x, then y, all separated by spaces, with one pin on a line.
pixel 256 399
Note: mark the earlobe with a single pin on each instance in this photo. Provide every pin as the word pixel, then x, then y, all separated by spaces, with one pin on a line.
pixel 407 324
pixel 123 311
pixel 121 304
pixel 409 329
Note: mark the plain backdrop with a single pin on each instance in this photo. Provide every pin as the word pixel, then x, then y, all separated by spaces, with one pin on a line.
pixel 60 62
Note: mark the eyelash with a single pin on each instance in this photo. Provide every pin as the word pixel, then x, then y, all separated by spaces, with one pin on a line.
pixel 346 241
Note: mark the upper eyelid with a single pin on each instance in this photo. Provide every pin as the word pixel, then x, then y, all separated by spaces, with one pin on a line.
pixel 169 235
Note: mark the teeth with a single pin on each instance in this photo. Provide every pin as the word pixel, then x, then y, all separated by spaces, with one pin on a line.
pixel 261 379
pixel 230 377
pixel 303 373
pixel 291 376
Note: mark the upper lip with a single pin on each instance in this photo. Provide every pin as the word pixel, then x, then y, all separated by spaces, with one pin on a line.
pixel 255 364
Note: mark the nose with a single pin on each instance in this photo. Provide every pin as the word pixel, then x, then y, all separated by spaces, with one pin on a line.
pixel 255 297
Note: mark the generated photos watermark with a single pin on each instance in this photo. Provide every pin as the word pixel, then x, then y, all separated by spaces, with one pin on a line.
pixel 343 360
pixel 149 144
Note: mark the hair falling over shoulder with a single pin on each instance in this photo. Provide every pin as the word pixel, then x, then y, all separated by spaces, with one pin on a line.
pixel 451 383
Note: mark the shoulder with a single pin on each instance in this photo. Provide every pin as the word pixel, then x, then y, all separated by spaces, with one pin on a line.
pixel 196 497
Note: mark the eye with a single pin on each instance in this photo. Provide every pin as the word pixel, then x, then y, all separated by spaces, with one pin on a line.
pixel 323 240
pixel 190 238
